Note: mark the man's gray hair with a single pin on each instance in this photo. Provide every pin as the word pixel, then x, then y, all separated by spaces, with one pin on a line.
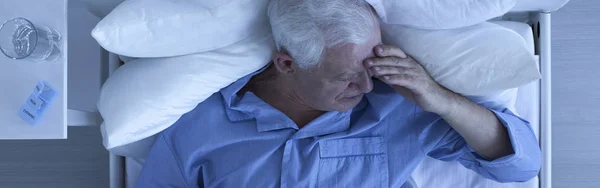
pixel 306 28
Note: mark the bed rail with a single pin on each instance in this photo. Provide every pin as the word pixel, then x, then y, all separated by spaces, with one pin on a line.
pixel 110 63
pixel 543 35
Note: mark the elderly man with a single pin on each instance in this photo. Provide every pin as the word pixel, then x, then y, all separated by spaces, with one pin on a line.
pixel 335 108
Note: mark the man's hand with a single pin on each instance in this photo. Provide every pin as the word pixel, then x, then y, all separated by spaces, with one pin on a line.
pixel 410 79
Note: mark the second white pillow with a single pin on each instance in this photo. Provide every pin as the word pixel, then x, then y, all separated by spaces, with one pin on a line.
pixel 147 95
pixel 477 60
pixel 439 14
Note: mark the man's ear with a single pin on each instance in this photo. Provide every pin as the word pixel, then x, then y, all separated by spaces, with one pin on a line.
pixel 284 63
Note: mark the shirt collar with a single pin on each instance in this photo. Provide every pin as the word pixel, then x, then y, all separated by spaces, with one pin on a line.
pixel 229 93
pixel 232 100
pixel 248 106
pixel 328 123
pixel 267 117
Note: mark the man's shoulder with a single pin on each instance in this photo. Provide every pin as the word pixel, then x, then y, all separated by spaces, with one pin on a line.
pixel 192 130
pixel 206 114
pixel 211 106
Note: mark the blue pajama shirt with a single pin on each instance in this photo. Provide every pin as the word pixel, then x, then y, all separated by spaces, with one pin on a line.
pixel 241 141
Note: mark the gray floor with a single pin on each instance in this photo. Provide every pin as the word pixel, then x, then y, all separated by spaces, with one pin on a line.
pixel 78 162
pixel 576 95
pixel 81 161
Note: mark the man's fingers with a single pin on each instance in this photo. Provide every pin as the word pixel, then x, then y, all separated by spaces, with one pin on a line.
pixel 389 70
pixel 389 61
pixel 388 50
pixel 403 80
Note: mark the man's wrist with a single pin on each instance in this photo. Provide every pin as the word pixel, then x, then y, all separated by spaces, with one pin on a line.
pixel 451 102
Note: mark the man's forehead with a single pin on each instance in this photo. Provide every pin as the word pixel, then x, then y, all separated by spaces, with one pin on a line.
pixel 342 57
pixel 348 57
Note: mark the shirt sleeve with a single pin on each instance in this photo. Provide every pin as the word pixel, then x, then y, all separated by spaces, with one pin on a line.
pixel 162 168
pixel 521 166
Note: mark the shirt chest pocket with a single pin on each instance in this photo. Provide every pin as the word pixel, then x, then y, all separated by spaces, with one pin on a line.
pixel 353 162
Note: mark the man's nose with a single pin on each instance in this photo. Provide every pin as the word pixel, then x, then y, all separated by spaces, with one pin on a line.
pixel 366 83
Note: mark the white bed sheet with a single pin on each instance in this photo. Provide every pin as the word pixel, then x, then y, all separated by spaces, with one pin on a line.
pixel 447 174
pixel 133 167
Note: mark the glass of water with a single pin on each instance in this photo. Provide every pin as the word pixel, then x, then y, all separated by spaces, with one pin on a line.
pixel 21 39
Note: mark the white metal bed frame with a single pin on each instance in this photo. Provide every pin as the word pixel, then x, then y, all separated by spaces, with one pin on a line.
pixel 540 22
pixel 545 51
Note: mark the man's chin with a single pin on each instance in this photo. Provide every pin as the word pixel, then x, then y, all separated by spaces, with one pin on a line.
pixel 346 104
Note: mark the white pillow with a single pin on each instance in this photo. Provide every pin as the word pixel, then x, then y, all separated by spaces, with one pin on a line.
pixel 537 5
pixel 164 28
pixel 477 60
pixel 439 14
pixel 145 96
pixel 522 29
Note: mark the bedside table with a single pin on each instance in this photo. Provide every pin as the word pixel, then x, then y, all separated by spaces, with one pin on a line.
pixel 19 77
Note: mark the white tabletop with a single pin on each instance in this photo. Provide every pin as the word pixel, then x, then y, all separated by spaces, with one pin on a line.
pixel 18 77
